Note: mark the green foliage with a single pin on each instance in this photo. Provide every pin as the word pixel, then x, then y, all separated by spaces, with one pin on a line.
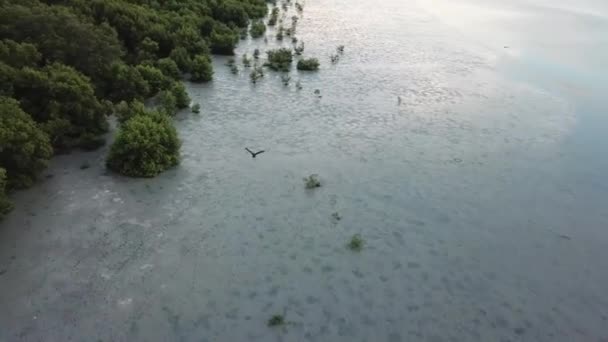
pixel 126 83
pixel 223 41
pixel 182 100
pixel 5 204
pixel 126 110
pixel 24 148
pixel 63 102
pixel 145 145
pixel 202 70
pixel 167 102
pixel 196 108
pixel 276 320
pixel 279 59
pixel 355 243
pixel 312 182
pixel 19 55
pixel 181 57
pixel 256 74
pixel 169 68
pixel 155 78
pixel 61 35
pixel 309 64
pixel 257 29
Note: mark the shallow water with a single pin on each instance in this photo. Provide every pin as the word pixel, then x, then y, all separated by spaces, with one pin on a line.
pixel 481 197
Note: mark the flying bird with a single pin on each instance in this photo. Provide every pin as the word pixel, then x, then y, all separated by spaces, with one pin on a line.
pixel 253 154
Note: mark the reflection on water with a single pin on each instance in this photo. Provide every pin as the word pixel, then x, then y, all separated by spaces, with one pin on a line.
pixel 480 196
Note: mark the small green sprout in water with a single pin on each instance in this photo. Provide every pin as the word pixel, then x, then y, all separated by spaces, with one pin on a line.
pixel 256 54
pixel 246 61
pixel 340 49
pixel 280 33
pixel 312 182
pixel 355 243
pixel 256 74
pixel 336 216
pixel 276 320
pixel 196 108
pixel 234 69
pixel 299 49
pixel 274 16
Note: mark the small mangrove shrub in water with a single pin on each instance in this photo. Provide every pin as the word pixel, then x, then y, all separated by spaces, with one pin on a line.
pixel 246 61
pixel 312 182
pixel 274 16
pixel 355 243
pixel 299 7
pixel 279 59
pixel 285 79
pixel 308 64
pixel 145 145
pixel 196 108
pixel 256 74
pixel 276 320
pixel 256 54
pixel 280 33
pixel 299 49
pixel 257 29
pixel 298 85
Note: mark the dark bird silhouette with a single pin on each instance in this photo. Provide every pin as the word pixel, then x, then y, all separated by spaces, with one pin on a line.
pixel 253 154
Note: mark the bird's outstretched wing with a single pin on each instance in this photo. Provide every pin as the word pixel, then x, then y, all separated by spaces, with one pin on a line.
pixel 248 150
pixel 258 152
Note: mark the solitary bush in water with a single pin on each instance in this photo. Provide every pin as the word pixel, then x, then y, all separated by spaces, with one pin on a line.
pixel 355 243
pixel 257 29
pixel 256 53
pixel 196 108
pixel 276 320
pixel 310 64
pixel 246 61
pixel 312 182
pixel 279 59
pixel 145 145
pixel 256 74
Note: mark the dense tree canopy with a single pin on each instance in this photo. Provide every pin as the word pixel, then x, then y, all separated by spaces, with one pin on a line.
pixel 24 147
